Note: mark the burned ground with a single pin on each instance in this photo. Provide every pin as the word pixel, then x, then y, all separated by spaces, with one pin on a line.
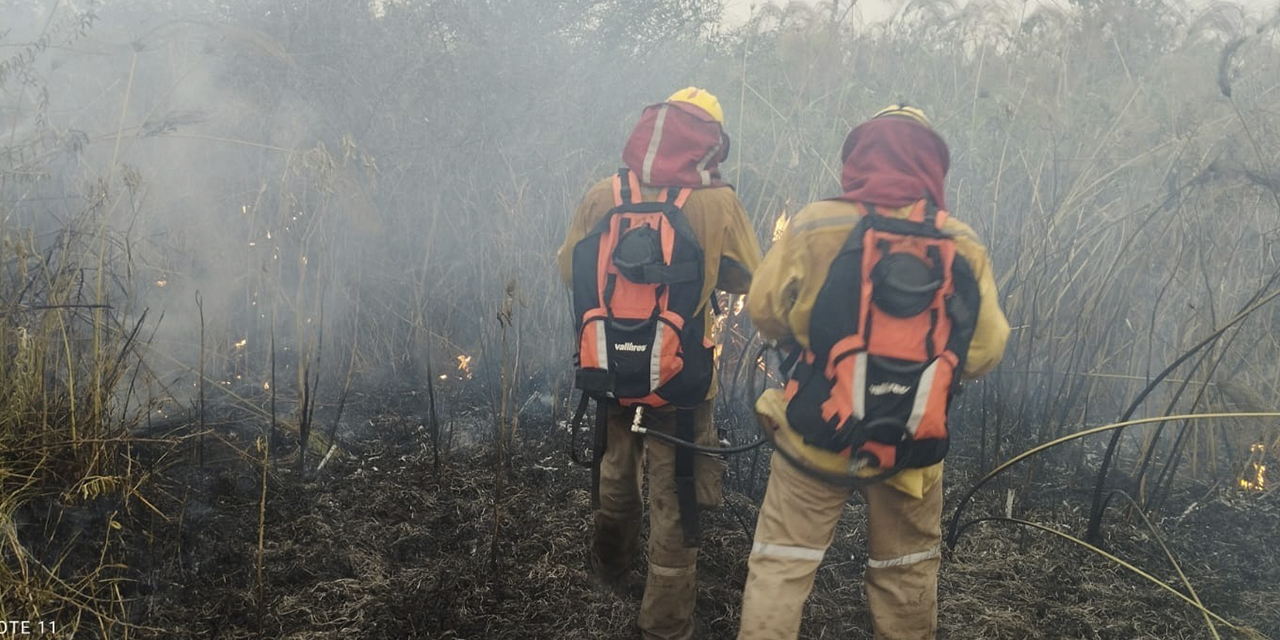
pixel 379 544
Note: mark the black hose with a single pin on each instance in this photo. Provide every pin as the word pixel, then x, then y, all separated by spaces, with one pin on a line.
pixel 674 441
pixel 677 442
pixel 840 480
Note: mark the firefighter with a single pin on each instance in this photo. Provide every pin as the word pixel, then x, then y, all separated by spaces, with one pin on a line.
pixel 894 165
pixel 677 144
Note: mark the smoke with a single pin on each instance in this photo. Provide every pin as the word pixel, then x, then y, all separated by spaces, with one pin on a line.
pixel 324 174
pixel 362 184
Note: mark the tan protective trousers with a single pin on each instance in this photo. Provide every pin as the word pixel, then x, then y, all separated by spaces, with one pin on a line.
pixel 666 612
pixel 796 525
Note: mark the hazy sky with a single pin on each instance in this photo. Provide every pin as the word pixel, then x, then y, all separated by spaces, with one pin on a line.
pixel 737 11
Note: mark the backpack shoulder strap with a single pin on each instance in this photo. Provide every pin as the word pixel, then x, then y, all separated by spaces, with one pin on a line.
pixel 626 188
pixel 677 197
pixel 927 212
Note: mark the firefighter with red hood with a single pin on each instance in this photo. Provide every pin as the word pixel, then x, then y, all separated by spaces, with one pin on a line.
pixel 643 256
pixel 884 303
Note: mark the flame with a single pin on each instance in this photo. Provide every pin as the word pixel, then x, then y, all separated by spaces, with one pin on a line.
pixel 266 386
pixel 1254 477
pixel 717 328
pixel 739 304
pixel 464 365
pixel 780 224
pixel 161 283
pixel 444 376
pixel 242 343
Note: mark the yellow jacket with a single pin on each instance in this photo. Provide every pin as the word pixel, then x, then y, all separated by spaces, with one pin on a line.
pixel 781 301
pixel 729 244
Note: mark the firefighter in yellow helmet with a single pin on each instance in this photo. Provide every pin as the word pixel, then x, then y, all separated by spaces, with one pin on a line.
pixel 674 152
pixel 894 166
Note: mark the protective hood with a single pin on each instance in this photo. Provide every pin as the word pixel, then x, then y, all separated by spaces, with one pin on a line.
pixel 676 145
pixel 893 162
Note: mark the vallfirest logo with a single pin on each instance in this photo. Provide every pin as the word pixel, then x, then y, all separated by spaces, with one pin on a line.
pixel 630 346
pixel 888 387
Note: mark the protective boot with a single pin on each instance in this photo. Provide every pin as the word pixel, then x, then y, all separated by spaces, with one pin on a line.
pixel 670 591
pixel 614 547
pixel 615 540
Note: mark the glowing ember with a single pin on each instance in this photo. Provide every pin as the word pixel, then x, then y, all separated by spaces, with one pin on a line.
pixel 242 343
pixel 780 225
pixel 444 376
pixel 464 365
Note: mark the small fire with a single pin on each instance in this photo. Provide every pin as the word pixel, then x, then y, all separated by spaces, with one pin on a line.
pixel 780 225
pixel 464 366
pixel 1254 477
pixel 161 283
pixel 242 343
pixel 266 386
pixel 717 328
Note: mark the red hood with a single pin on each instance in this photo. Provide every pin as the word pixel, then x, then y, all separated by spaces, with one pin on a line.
pixel 676 145
pixel 893 162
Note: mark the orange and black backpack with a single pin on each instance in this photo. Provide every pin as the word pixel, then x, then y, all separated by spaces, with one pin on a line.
pixel 890 329
pixel 637 304
pixel 637 289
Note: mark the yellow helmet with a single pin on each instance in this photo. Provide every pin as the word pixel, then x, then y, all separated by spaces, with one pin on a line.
pixel 700 98
pixel 904 111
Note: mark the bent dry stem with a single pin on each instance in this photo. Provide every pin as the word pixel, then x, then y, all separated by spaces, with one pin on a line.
pixel 955 528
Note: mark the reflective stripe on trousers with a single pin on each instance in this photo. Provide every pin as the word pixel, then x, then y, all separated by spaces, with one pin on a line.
pixel 796 525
